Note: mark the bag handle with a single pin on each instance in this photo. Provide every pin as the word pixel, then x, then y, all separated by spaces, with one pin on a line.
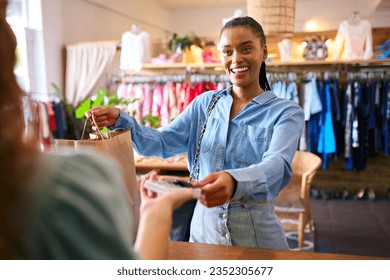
pixel 94 123
pixel 195 162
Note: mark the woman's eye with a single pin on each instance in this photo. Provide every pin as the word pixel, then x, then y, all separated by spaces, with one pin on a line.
pixel 227 52
pixel 246 50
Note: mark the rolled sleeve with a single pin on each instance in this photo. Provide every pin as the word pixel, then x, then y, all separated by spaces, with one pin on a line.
pixel 248 184
pixel 124 122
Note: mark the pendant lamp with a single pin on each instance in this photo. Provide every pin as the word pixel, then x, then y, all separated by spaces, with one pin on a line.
pixel 277 17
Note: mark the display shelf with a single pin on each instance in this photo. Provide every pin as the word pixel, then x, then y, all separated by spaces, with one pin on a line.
pixel 182 65
pixel 299 65
pixel 272 64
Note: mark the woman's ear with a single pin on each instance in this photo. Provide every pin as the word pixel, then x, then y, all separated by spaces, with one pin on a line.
pixel 265 52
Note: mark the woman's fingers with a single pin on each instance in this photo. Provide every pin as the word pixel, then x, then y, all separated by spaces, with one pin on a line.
pixel 103 116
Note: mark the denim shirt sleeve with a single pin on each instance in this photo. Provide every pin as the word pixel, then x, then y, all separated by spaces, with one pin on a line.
pixel 169 140
pixel 263 181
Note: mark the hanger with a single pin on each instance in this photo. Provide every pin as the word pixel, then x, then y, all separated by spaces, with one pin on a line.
pixel 135 29
pixel 354 18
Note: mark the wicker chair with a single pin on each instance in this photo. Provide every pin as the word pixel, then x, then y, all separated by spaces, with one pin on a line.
pixel 292 205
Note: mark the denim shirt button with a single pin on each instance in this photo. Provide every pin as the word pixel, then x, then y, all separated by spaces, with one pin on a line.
pixel 227 235
pixel 224 216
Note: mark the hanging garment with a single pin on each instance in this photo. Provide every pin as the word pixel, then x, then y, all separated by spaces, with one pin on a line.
pixel 385 111
pixel 147 100
pixel 354 41
pixel 60 120
pixel 135 50
pixel 311 99
pixel 327 142
pixel 358 120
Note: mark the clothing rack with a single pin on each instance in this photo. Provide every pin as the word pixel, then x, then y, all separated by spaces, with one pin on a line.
pixel 45 96
pixel 114 79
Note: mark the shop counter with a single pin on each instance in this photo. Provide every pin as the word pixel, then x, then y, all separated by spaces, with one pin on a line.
pixel 196 251
pixel 173 164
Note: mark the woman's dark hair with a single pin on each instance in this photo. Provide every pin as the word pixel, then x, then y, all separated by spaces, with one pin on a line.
pixel 258 30
pixel 17 155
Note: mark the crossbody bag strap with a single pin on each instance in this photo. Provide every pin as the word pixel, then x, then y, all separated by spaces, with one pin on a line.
pixel 194 174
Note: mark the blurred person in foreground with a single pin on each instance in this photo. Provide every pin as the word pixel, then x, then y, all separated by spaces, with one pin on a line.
pixel 67 205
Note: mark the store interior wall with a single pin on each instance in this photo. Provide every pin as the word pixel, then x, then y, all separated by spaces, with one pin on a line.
pixel 73 21
pixel 310 16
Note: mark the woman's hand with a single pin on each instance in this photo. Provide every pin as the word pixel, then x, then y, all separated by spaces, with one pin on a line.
pixel 104 116
pixel 168 201
pixel 217 188
pixel 156 218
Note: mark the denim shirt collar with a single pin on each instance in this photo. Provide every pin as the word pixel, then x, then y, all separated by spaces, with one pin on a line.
pixel 259 99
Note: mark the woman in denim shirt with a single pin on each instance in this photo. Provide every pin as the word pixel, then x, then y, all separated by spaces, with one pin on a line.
pixel 246 150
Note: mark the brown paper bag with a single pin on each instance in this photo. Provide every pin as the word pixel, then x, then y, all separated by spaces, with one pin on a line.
pixel 118 145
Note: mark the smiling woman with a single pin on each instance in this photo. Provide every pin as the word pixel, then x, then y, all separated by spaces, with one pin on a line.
pixel 240 142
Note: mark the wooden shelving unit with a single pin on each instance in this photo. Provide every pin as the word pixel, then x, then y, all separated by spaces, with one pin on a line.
pixel 342 68
pixel 273 65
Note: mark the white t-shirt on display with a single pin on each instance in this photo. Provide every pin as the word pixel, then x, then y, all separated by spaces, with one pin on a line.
pixel 135 50
pixel 354 40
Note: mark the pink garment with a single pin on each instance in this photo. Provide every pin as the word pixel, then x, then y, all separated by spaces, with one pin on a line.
pixel 185 95
pixel 198 89
pixel 164 100
pixel 129 92
pixel 221 86
pixel 354 41
pixel 164 111
pixel 157 100
pixel 210 86
pixel 45 136
pixel 138 101
pixel 121 91
pixel 52 119
pixel 147 102
pixel 173 102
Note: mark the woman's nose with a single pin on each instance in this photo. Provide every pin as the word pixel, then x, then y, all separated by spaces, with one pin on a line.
pixel 236 57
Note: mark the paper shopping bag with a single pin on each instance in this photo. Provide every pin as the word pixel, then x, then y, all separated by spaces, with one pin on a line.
pixel 118 146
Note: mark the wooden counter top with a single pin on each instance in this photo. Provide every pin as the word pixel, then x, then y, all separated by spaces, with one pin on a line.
pixel 176 163
pixel 197 251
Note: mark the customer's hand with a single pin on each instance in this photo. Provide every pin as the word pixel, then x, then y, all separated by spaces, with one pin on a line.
pixel 156 219
pixel 168 201
pixel 104 116
pixel 217 188
pixel 153 176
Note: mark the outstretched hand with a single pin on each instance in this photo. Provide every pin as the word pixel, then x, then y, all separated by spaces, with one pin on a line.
pixel 171 200
pixel 217 188
pixel 104 116
pixel 156 218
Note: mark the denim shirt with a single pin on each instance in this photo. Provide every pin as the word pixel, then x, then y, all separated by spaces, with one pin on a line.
pixel 256 147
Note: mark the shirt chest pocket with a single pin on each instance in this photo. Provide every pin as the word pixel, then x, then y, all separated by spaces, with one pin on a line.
pixel 209 134
pixel 251 143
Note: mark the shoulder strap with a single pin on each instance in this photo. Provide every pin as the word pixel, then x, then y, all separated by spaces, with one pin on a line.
pixel 195 162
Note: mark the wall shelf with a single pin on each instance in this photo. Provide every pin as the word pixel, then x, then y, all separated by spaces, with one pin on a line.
pixel 272 66
pixel 275 63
